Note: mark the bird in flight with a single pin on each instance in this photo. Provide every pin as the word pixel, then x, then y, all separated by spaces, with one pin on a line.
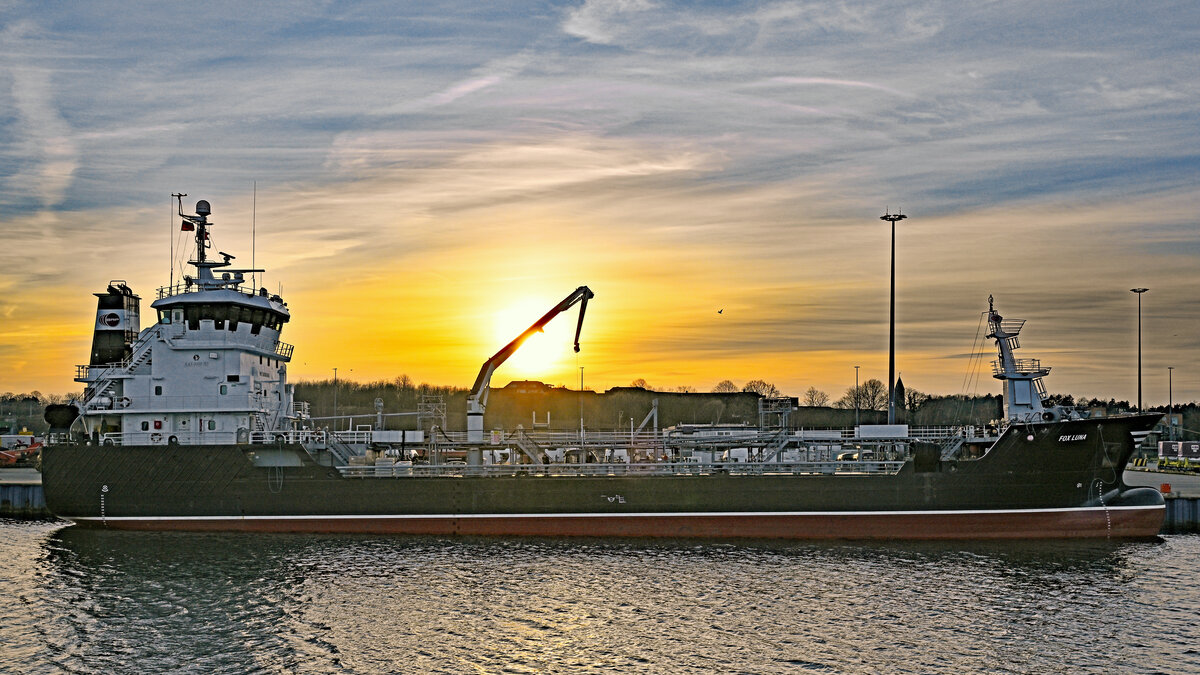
pixel 719 311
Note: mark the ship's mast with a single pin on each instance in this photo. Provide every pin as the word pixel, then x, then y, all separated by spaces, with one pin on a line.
pixel 204 267
pixel 1023 388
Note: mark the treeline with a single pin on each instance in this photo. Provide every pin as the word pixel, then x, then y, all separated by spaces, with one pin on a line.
pixel 24 411
pixel 509 406
pixel 527 403
pixel 328 399
pixel 522 403
pixel 615 409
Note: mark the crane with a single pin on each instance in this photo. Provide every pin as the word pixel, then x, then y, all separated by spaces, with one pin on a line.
pixel 477 399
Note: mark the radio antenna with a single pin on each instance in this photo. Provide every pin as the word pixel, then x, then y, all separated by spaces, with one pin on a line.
pixel 178 196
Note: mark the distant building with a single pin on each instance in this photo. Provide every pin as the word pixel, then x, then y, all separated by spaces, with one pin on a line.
pixel 527 387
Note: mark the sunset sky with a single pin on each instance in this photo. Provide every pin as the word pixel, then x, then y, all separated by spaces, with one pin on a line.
pixel 431 178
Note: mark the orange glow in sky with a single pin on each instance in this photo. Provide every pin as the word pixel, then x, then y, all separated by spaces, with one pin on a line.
pixel 424 185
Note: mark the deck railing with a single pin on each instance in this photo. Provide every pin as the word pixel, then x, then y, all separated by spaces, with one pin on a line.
pixel 182 288
pixel 1022 366
pixel 408 470
pixel 751 437
pixel 242 437
pixel 283 349
pixel 305 436
pixel 84 371
pixel 170 437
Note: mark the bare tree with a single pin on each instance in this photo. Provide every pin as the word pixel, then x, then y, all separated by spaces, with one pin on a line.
pixel 815 398
pixel 725 387
pixel 762 388
pixel 641 383
pixel 685 389
pixel 875 394
pixel 870 395
pixel 913 401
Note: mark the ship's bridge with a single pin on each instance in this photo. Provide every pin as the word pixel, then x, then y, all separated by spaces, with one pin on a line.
pixel 227 308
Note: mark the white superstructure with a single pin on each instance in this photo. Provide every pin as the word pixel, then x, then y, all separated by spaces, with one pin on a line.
pixel 210 370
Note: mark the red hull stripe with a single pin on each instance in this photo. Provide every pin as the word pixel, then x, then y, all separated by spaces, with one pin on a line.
pixel 660 514
pixel 1117 521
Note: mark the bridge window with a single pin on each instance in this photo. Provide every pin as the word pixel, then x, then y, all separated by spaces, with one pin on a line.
pixel 256 321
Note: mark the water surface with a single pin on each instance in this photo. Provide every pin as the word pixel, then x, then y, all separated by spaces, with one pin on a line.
pixel 113 602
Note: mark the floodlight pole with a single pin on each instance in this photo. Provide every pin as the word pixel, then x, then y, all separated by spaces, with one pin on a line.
pixel 1139 292
pixel 892 218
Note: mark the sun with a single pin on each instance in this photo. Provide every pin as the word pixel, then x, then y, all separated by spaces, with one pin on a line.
pixel 543 355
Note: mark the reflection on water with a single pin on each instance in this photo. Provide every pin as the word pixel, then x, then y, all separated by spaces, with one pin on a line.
pixel 99 601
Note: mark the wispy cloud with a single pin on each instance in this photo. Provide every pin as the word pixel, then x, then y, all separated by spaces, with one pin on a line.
pixel 599 21
pixel 853 84
pixel 483 78
pixel 680 157
pixel 47 144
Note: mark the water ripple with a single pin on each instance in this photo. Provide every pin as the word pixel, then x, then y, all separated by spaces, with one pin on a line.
pixel 110 602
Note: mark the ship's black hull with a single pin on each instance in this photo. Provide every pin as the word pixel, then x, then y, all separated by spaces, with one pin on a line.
pixel 1065 481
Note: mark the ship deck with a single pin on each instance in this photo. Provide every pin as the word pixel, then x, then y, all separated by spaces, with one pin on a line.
pixel 385 469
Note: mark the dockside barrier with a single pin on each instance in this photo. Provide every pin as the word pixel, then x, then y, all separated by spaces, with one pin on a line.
pixel 1183 515
pixel 26 500
pixel 22 500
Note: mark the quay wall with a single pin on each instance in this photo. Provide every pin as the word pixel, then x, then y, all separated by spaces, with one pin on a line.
pixel 1183 515
pixel 22 500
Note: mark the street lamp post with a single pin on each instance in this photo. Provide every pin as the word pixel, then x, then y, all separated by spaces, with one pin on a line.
pixel 857 393
pixel 335 399
pixel 1170 403
pixel 892 218
pixel 1139 292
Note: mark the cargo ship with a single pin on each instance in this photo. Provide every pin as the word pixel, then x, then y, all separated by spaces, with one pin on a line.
pixel 190 424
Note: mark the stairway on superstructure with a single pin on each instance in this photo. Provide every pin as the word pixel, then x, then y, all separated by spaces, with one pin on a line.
pixel 340 450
